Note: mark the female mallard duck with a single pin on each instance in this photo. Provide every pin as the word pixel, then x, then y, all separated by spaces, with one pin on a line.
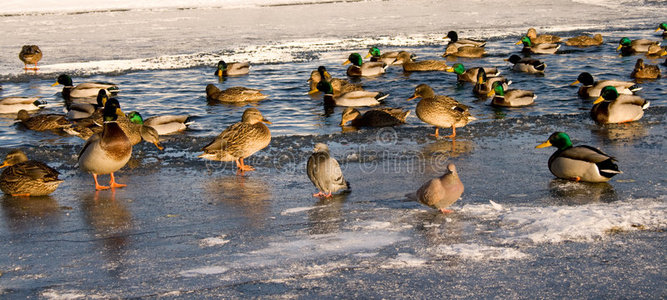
pixel 107 152
pixel 510 98
pixel 30 55
pixel 354 98
pixel 611 107
pixel 484 84
pixel 441 192
pixel 470 75
pixel 360 68
pixel 380 117
pixel 454 39
pixel 240 140
pixel 580 163
pixel 424 65
pixel 655 51
pixel 12 105
pixel 166 124
pixel 84 90
pixel 645 71
pixel 532 48
pixel 663 27
pixel 232 69
pixel 42 122
pixel 629 47
pixel 585 41
pixel 528 65
pixel 25 177
pixel 592 89
pixel 464 51
pixel 440 111
pixel 340 86
pixel 389 58
pixel 234 94
pixel 78 111
pixel 542 38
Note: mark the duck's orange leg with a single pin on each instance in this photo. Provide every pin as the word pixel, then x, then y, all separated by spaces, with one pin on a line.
pixel 320 194
pixel 446 211
pixel 21 195
pixel 114 184
pixel 99 187
pixel 436 133
pixel 453 135
pixel 242 166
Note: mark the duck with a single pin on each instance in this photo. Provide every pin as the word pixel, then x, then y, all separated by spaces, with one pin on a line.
pixel 663 27
pixel 585 41
pixel 234 94
pixel 645 71
pixel 440 111
pixel 410 65
pixel 381 117
pixel 532 48
pixel 542 38
pixel 510 98
pixel 340 86
pixel 30 55
pixel 592 89
pixel 629 47
pixel 108 151
pixel 484 84
pixel 359 68
pixel 12 105
pixel 165 124
pixel 232 69
pixel 470 75
pixel 579 163
pixel 138 132
pixel 611 107
pixel 240 140
pixel 78 111
pixel 324 172
pixel 441 192
pixel 389 58
pixel 464 51
pixel 84 90
pixel 42 122
pixel 454 39
pixel 354 98
pixel 655 51
pixel 527 65
pixel 24 177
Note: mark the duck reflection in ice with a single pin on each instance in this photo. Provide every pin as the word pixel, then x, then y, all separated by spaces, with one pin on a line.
pixel 624 132
pixel 247 198
pixel 442 149
pixel 25 213
pixel 327 217
pixel 569 192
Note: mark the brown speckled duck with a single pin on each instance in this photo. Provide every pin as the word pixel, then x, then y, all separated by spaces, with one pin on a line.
pixel 542 38
pixel 585 41
pixel 440 111
pixel 25 177
pixel 380 117
pixel 234 94
pixel 464 51
pixel 42 122
pixel 30 55
pixel 645 71
pixel 423 65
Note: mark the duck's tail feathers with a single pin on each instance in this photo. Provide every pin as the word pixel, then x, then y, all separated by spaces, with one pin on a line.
pixel 381 96
pixel 40 103
pixel 635 88
pixel 113 90
pixel 347 184
pixel 540 67
pixel 646 105
pixel 188 121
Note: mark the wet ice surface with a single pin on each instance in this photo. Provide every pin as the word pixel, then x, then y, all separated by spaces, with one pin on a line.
pixel 188 227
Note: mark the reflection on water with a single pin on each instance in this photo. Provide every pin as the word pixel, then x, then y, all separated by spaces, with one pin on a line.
pixel 448 147
pixel 248 196
pixel 24 213
pixel 327 217
pixel 569 192
pixel 438 229
pixel 621 132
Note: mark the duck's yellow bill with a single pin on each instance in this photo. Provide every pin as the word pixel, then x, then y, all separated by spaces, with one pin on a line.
pixel 544 145
pixel 313 91
pixel 346 62
pixel 490 93
pixel 518 43
pixel 367 55
pixel 55 84
pixel 450 69
pixel 266 121
pixel 4 164
pixel 657 29
pixel 119 112
pixel 619 47
pixel 327 75
pixel 157 144
pixel 413 97
pixel 598 100
pixel 575 82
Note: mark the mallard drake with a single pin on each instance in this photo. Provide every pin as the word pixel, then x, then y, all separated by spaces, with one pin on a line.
pixel 592 89
pixel 360 68
pixel 240 140
pixel 645 71
pixel 380 117
pixel 585 41
pixel 663 27
pixel 138 132
pixel 30 55
pixel 354 98
pixel 12 105
pixel 25 177
pixel 84 90
pixel 528 65
pixel 464 51
pixel 611 107
pixel 340 86
pixel 440 111
pixel 389 58
pixel 484 84
pixel 424 65
pixel 454 39
pixel 470 75
pixel 629 47
pixel 580 163
pixel 107 152
pixel 324 172
pixel 234 94
pixel 232 69
pixel 542 38
pixel 532 48
pixel 510 98
pixel 165 124
pixel 42 122
pixel 441 192
pixel 78 111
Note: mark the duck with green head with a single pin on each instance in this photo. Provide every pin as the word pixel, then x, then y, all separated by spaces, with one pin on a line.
pixel 84 90
pixel 484 84
pixel 165 124
pixel 340 86
pixel 611 107
pixel 470 75
pixel 629 47
pixel 592 89
pixel 510 98
pixel 353 98
pixel 359 68
pixel 232 69
pixel 579 163
pixel 531 48
pixel 663 27
pixel 24 177
pixel 388 58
